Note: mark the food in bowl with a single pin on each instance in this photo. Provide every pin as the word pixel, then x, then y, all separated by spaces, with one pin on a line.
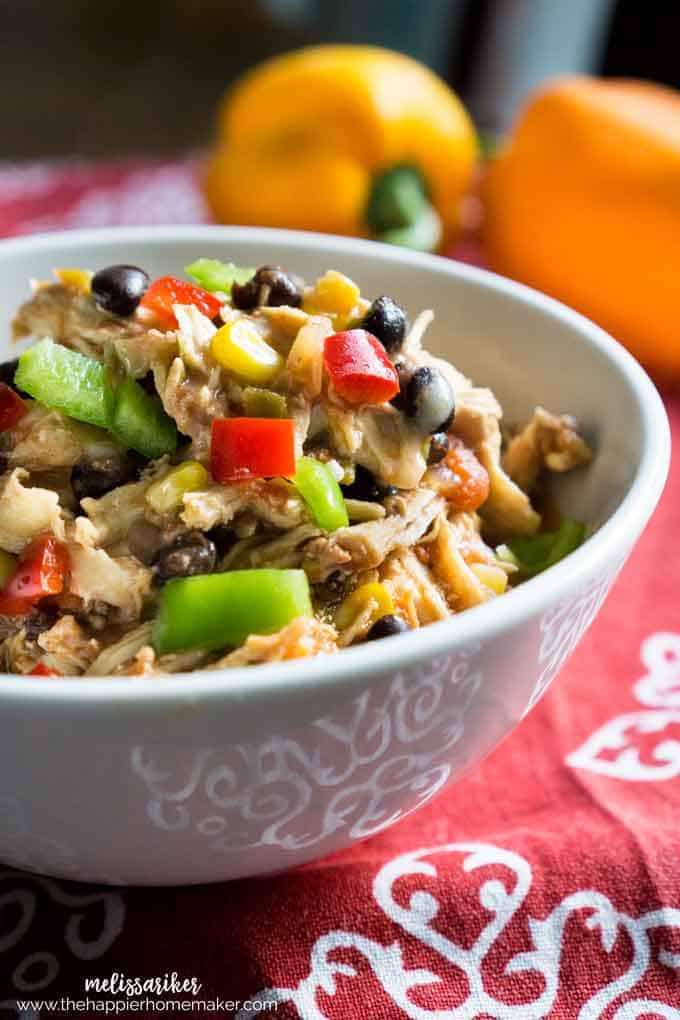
pixel 245 468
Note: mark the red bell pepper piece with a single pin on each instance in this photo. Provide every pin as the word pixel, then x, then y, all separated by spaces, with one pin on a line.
pixel 245 448
pixel 168 291
pixel 40 571
pixel 12 407
pixel 359 367
pixel 40 669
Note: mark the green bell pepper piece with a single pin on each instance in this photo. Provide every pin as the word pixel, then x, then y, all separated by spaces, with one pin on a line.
pixel 214 611
pixel 139 420
pixel 66 380
pixel 211 274
pixel 539 552
pixel 318 487
pixel 259 403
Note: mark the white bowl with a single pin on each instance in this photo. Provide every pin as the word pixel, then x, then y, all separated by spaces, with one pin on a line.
pixel 208 776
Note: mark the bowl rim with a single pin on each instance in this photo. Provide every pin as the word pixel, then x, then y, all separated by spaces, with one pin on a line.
pixel 475 625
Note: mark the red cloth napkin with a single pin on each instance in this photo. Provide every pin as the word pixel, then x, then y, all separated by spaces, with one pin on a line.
pixel 547 884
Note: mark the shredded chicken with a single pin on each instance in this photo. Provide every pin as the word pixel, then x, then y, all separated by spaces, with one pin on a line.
pixel 120 652
pixel 18 654
pixel 548 441
pixel 414 592
pixel 71 650
pixel 114 514
pixel 274 502
pixel 460 585
pixel 301 638
pixel 507 510
pixel 362 546
pixel 45 439
pixel 120 581
pixel 26 513
pixel 72 318
pixel 287 550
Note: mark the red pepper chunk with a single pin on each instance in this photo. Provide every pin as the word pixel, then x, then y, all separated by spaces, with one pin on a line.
pixel 12 407
pixel 468 487
pixel 168 291
pixel 359 367
pixel 40 571
pixel 245 448
pixel 40 669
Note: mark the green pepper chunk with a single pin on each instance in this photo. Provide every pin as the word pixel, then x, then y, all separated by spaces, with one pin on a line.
pixel 211 274
pixel 213 611
pixel 139 420
pixel 259 403
pixel 539 552
pixel 67 381
pixel 320 490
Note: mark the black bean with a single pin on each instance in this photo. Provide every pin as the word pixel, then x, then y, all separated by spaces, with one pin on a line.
pixel 271 285
pixel 119 289
pixel 367 487
pixel 428 400
pixel 95 477
pixel 189 554
pixel 387 626
pixel 39 621
pixel 386 320
pixel 223 538
pixel 439 447
pixel 7 371
pixel 148 384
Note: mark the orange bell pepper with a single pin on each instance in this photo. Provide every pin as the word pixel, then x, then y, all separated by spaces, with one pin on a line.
pixel 584 202
pixel 302 138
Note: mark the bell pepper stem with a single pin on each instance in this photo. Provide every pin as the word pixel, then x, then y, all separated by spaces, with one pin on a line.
pixel 399 210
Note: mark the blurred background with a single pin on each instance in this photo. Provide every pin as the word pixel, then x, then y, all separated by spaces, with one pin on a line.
pixel 144 77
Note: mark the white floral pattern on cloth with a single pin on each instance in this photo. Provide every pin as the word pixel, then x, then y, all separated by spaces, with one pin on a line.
pixel 642 746
pixel 503 900
pixel 563 626
pixel 91 924
pixel 393 741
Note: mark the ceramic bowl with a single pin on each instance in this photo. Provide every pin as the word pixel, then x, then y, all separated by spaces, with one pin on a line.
pixel 209 776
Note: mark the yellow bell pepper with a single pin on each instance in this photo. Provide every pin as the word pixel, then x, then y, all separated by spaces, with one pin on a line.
pixel 583 201
pixel 304 139
pixel 372 594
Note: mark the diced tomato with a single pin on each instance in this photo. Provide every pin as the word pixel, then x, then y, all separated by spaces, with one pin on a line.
pixel 359 367
pixel 12 407
pixel 40 571
pixel 244 448
pixel 168 291
pixel 40 669
pixel 468 485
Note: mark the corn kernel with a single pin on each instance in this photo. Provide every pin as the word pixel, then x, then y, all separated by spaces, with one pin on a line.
pixel 374 592
pixel 494 578
pixel 76 279
pixel 240 349
pixel 334 294
pixel 167 493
